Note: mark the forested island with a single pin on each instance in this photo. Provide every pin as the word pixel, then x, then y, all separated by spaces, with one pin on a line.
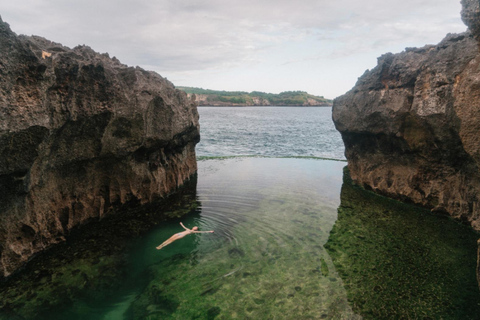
pixel 206 97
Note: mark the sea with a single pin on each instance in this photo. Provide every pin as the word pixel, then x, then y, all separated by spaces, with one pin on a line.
pixel 294 238
pixel 270 132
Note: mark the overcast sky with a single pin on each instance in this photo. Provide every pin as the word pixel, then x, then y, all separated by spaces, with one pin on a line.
pixel 318 46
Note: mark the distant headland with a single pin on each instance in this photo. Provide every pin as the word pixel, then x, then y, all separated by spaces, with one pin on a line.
pixel 206 97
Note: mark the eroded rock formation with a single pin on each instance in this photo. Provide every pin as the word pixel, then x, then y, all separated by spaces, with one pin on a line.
pixel 411 125
pixel 81 133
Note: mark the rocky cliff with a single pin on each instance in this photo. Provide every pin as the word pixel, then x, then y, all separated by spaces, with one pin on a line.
pixel 81 133
pixel 410 125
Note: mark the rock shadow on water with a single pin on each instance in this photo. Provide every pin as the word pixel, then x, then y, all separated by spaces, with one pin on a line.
pixel 398 261
pixel 90 272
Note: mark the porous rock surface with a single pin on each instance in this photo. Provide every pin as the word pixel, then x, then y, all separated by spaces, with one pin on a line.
pixel 81 133
pixel 411 125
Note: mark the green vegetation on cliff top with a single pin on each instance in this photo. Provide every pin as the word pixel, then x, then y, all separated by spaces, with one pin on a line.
pixel 255 98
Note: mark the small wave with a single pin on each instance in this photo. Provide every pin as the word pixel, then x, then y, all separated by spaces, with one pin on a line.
pixel 202 158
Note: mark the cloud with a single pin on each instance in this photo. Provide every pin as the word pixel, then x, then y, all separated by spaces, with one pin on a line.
pixel 195 35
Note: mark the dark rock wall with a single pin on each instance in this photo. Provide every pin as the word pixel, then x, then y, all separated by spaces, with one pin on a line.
pixel 411 125
pixel 81 133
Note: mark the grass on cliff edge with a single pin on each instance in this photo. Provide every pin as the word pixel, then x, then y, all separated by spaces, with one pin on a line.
pixel 242 97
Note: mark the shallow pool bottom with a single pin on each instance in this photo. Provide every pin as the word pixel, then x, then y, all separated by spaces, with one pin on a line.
pixel 293 240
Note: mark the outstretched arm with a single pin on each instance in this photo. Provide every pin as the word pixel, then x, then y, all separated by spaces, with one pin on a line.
pixel 203 231
pixel 184 226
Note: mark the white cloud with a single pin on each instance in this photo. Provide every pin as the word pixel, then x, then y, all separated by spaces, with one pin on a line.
pixel 186 37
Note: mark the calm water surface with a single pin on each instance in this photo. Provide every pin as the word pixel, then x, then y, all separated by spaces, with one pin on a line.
pixel 294 239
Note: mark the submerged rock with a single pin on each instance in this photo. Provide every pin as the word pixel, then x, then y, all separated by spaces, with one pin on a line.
pixel 81 133
pixel 410 125
pixel 399 261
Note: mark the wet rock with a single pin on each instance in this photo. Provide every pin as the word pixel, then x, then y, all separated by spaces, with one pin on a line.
pixel 81 134
pixel 235 253
pixel 324 267
pixel 410 125
pixel 213 312
pixel 210 291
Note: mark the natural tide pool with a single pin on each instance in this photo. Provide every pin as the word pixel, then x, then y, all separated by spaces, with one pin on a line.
pixel 294 239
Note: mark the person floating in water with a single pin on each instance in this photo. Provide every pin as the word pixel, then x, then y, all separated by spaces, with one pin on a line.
pixel 180 235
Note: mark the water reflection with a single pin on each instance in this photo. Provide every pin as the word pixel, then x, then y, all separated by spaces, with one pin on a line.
pixel 265 260
pixel 400 262
pixel 90 276
pixel 273 220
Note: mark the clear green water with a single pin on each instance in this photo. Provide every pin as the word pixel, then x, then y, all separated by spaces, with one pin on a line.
pixel 292 241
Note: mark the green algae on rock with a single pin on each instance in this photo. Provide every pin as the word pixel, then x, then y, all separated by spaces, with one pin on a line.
pixel 398 261
pixel 89 272
pixel 267 262
pixel 274 254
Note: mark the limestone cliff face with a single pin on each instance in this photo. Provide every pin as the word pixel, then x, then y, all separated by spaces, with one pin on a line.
pixel 411 125
pixel 81 133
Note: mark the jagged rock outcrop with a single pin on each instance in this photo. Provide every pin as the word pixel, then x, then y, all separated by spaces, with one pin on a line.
pixel 411 125
pixel 81 133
